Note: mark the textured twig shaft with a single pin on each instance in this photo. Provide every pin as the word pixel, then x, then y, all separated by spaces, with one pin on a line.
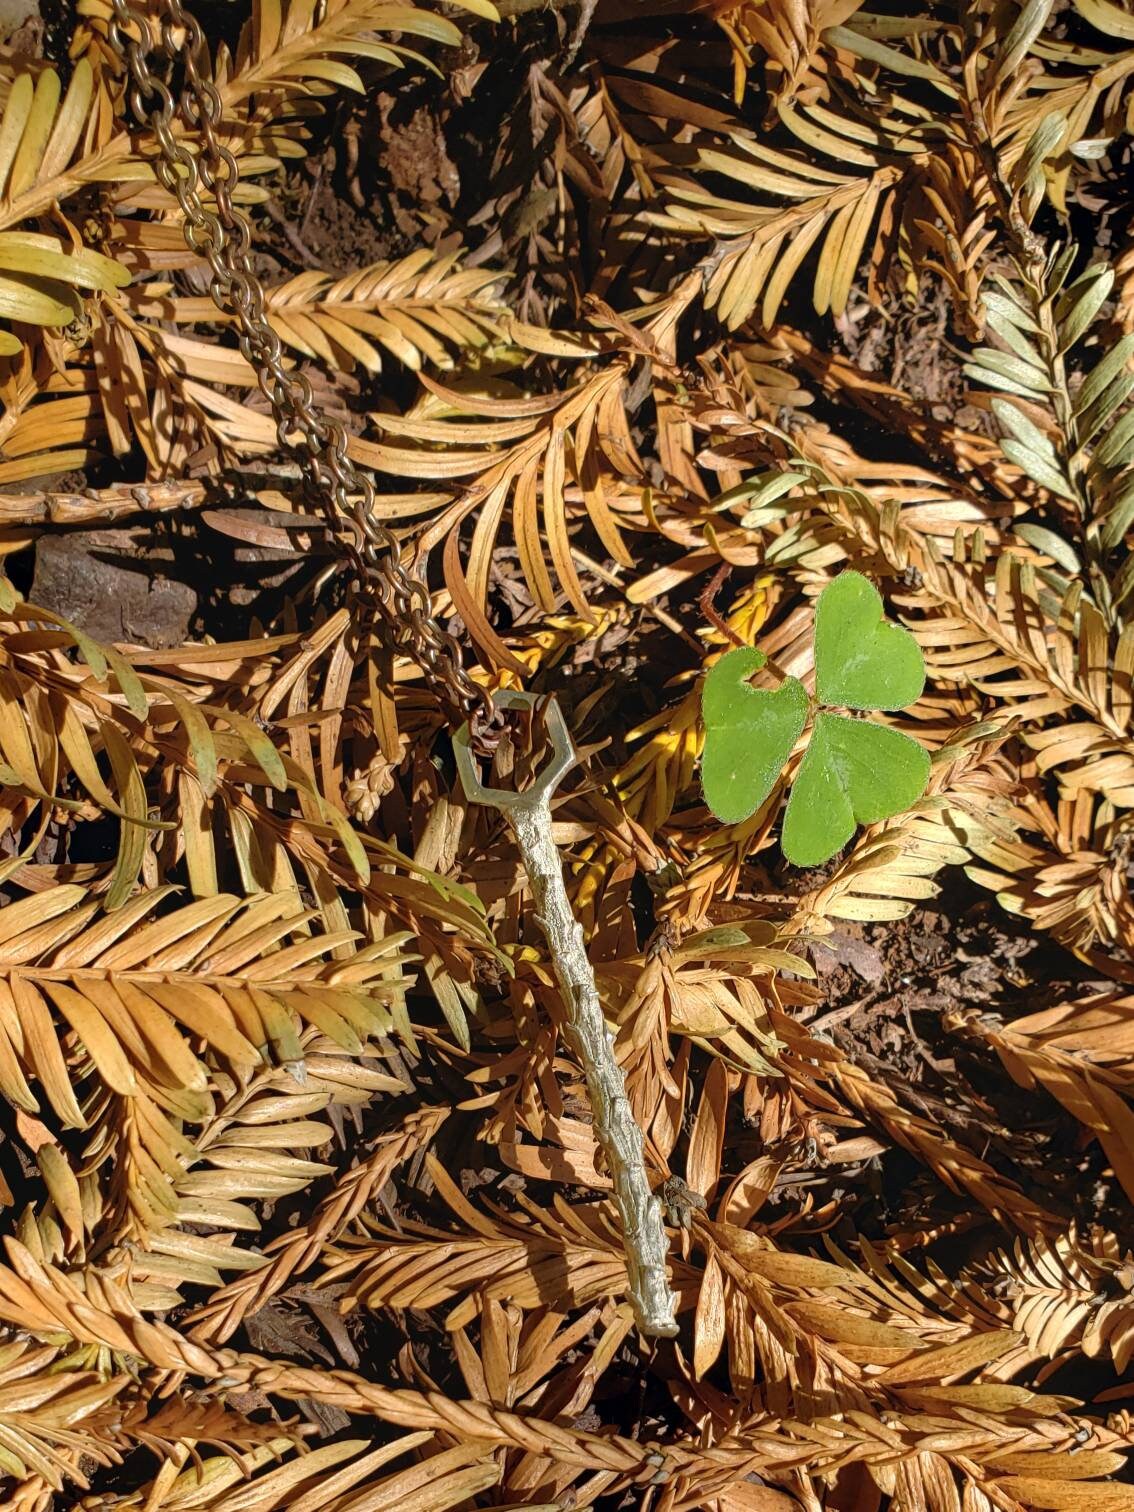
pixel 615 1126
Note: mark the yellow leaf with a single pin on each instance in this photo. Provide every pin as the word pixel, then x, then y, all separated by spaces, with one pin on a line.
pixel 62 1187
pixel 709 1320
pixel 1066 1496
pixel 37 128
pixel 21 999
pixel 97 1038
pixel 45 257
pixel 70 121
pixel 12 127
pixel 25 298
pixel 952 1359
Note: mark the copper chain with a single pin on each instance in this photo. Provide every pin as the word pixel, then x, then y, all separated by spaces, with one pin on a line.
pixel 223 237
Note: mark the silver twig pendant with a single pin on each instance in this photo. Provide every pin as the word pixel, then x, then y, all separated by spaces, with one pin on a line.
pixel 529 815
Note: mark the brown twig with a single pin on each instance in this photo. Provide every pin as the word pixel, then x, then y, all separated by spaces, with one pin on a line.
pixel 708 608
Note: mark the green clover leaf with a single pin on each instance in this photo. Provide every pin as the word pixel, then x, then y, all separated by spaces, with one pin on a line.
pixel 861 662
pixel 853 771
pixel 753 734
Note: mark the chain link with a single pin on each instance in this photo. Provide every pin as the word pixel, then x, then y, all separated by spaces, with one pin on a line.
pixel 223 238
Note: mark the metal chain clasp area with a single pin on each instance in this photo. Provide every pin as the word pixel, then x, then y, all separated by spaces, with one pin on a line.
pixel 529 815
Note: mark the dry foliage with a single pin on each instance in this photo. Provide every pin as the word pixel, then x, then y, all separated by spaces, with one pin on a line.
pixel 302 1207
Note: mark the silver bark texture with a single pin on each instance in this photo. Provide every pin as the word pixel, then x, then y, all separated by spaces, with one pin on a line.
pixel 614 1123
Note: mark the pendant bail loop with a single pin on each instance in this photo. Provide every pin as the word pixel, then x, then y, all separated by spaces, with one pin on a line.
pixel 563 755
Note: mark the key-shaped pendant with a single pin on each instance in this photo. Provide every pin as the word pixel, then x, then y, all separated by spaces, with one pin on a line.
pixel 529 815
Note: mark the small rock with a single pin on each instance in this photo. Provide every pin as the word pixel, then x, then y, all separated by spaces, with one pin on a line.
pixel 88 577
pixel 13 14
pixel 842 949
